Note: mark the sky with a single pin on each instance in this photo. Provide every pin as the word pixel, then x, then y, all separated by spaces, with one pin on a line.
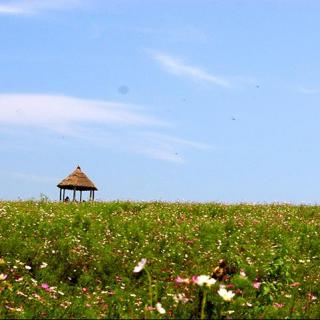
pixel 169 100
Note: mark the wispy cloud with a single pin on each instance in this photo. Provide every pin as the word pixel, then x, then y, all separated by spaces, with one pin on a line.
pixel 178 67
pixel 309 90
pixel 177 141
pixel 65 114
pixel 25 7
pixel 12 9
pixel 185 34
pixel 101 124
pixel 166 147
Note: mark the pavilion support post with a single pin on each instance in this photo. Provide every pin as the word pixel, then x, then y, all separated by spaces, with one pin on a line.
pixel 64 194
pixel 74 194
pixel 92 195
pixel 80 195
pixel 60 195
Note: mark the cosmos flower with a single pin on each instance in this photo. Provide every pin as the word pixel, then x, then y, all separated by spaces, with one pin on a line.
pixel 28 267
pixel 46 287
pixel 180 297
pixel 203 280
pixel 182 280
pixel 139 267
pixel 295 284
pixel 225 294
pixel 256 284
pixel 242 273
pixel 43 265
pixel 160 309
pixel 311 297
pixel 3 276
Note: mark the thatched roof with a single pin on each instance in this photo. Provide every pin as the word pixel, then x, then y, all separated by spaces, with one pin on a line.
pixel 77 180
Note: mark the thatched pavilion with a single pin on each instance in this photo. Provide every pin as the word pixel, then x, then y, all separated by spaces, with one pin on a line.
pixel 77 181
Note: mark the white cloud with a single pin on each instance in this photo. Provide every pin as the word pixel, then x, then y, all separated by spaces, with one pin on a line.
pixel 166 147
pixel 188 34
pixel 65 114
pixel 306 90
pixel 102 124
pixel 11 9
pixel 25 7
pixel 165 153
pixel 177 141
pixel 179 68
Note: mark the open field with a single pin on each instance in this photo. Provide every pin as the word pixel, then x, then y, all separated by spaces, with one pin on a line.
pixel 61 260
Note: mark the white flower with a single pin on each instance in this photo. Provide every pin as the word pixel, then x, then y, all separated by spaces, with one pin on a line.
pixel 140 266
pixel 160 309
pixel 43 265
pixel 225 294
pixel 210 282
pixel 204 280
pixel 242 273
pixel 180 297
pixel 28 267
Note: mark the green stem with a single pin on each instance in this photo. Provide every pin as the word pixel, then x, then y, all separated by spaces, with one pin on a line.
pixel 150 288
pixel 203 304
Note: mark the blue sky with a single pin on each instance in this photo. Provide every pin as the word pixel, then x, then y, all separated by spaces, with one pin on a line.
pixel 190 100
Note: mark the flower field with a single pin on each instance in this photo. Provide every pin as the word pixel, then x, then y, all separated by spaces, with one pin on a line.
pixel 158 260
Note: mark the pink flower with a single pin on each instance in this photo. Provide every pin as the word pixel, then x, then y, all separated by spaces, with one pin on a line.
pixel 182 280
pixel 278 305
pixel 194 279
pixel 3 276
pixel 46 287
pixel 311 297
pixel 295 284
pixel 149 308
pixel 256 284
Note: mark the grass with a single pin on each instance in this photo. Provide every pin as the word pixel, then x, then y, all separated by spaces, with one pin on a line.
pixel 61 260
